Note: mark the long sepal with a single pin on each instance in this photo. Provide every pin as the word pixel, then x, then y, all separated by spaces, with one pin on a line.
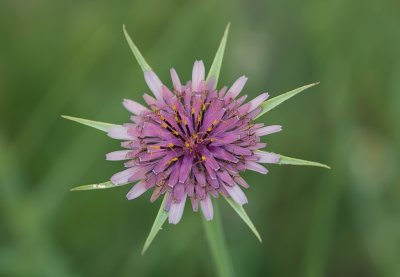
pixel 138 56
pixel 217 62
pixel 243 215
pixel 294 161
pixel 276 101
pixel 105 185
pixel 161 217
pixel 102 126
pixel 216 240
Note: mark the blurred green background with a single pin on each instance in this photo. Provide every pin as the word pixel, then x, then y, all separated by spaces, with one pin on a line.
pixel 70 57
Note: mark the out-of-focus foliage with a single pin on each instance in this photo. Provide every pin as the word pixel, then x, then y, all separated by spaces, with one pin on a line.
pixel 70 57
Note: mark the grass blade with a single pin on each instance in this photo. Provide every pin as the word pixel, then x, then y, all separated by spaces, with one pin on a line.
pixel 138 56
pixel 243 215
pixel 161 217
pixel 102 126
pixel 276 101
pixel 105 185
pixel 216 65
pixel 294 161
pixel 216 240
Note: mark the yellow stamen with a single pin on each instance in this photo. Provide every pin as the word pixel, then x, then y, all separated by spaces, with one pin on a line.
pixel 195 136
pixel 203 158
pixel 192 110
pixel 175 132
pixel 164 125
pixel 214 122
pixel 170 144
pixel 187 144
pixel 155 146
pixel 209 129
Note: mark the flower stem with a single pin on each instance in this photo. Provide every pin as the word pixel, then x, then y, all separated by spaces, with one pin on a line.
pixel 216 240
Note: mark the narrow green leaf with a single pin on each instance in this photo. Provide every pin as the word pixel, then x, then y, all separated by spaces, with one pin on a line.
pixel 243 215
pixel 216 240
pixel 293 161
pixel 102 126
pixel 161 217
pixel 105 185
pixel 216 65
pixel 138 56
pixel 273 102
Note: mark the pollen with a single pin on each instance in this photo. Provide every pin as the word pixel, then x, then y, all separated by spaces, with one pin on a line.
pixel 203 158
pixel 170 144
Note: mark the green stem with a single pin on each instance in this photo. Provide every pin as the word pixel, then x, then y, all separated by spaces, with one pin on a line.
pixel 216 240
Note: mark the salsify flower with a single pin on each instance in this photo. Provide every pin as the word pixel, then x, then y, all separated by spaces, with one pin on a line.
pixel 192 141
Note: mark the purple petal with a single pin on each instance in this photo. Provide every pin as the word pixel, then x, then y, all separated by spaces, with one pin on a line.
pixel 153 83
pixel 185 168
pixel 195 204
pixel 123 176
pixel 268 130
pixel 237 87
pixel 137 190
pixel 120 132
pixel 237 194
pixel 267 157
pixel 176 211
pixel 176 81
pixel 134 107
pixel 119 155
pixel 198 75
pixel 258 101
pixel 256 167
pixel 207 208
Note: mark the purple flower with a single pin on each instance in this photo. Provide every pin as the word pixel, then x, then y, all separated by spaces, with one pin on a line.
pixel 191 142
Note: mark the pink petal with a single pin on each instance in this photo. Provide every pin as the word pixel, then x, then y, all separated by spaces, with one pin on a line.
pixel 198 75
pixel 176 211
pixel 134 107
pixel 176 81
pixel 119 132
pixel 256 167
pixel 137 190
pixel 118 155
pixel 267 157
pixel 256 102
pixel 237 87
pixel 268 130
pixel 149 99
pixel 123 176
pixel 153 83
pixel 207 208
pixel 237 194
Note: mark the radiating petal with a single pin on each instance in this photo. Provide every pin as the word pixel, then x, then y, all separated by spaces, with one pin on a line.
pixel 256 167
pixel 134 107
pixel 120 132
pixel 137 190
pixel 175 80
pixel 256 102
pixel 207 208
pixel 176 211
pixel 118 155
pixel 237 194
pixel 267 157
pixel 153 83
pixel 237 87
pixel 268 130
pixel 198 75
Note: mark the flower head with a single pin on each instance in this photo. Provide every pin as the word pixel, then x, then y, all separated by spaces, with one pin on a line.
pixel 192 141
